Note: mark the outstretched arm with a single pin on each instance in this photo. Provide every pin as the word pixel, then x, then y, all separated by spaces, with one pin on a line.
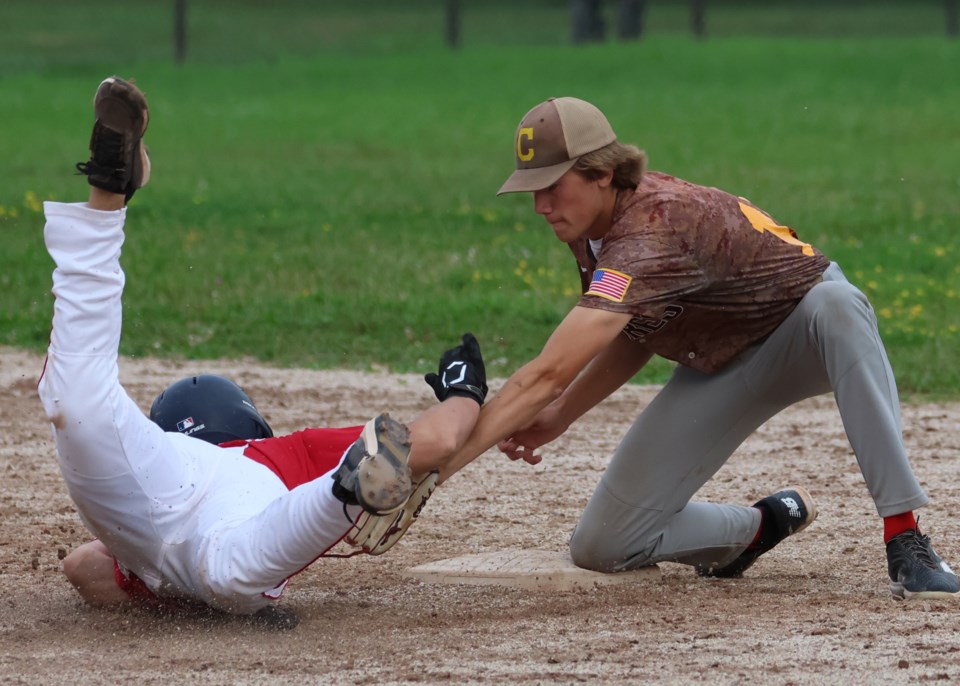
pixel 440 432
pixel 614 366
pixel 579 338
pixel 460 385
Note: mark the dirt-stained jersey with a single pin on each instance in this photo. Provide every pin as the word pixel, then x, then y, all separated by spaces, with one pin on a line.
pixel 706 274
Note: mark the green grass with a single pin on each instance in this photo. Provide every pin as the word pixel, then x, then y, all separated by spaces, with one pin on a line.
pixel 337 209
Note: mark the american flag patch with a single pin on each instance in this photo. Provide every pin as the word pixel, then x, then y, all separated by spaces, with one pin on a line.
pixel 609 284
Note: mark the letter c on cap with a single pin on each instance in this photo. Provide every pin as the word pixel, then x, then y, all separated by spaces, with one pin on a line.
pixel 527 155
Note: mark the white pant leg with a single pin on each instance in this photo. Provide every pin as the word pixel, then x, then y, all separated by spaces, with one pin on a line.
pixel 244 563
pixel 187 517
pixel 119 467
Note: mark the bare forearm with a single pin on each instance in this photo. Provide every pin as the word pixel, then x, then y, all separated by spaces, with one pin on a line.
pixel 440 432
pixel 518 402
pixel 612 368
pixel 581 336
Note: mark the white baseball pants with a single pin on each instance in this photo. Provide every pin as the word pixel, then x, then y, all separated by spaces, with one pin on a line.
pixel 191 519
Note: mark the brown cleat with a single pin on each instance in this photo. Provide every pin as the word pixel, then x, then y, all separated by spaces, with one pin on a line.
pixel 118 158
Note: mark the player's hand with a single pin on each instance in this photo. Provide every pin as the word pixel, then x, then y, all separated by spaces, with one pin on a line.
pixel 524 443
pixel 461 372
pixel 515 451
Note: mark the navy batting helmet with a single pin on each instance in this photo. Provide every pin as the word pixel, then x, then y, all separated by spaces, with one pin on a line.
pixel 211 408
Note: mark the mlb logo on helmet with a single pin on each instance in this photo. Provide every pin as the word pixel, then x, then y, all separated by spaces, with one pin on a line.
pixel 184 424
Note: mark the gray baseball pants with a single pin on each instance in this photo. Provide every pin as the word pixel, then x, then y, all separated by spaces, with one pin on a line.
pixel 641 512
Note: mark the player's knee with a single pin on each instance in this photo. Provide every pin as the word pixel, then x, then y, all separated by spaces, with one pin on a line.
pixel 592 550
pixel 234 600
pixel 232 580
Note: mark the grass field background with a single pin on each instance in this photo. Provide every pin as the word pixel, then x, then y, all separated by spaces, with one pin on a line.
pixel 324 178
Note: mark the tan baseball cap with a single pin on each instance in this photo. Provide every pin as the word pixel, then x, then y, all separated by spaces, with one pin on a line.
pixel 550 139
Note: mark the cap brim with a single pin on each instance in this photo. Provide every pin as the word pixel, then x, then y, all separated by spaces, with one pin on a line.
pixel 529 180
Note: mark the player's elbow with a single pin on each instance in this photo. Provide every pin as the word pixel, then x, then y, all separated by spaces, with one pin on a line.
pixel 549 380
pixel 73 568
pixel 89 569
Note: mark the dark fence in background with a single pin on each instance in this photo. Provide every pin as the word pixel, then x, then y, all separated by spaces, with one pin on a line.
pixel 589 25
pixel 46 33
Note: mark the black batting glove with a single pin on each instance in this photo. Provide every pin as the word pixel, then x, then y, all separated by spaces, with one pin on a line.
pixel 461 372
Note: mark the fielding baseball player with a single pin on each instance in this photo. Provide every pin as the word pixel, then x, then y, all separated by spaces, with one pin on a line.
pixel 179 520
pixel 756 320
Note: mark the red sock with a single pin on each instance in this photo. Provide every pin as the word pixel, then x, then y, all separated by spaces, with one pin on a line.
pixel 897 524
pixel 759 535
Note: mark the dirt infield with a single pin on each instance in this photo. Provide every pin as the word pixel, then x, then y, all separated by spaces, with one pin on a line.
pixel 816 610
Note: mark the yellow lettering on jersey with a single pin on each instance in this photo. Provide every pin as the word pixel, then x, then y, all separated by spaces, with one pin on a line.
pixel 764 222
pixel 525 155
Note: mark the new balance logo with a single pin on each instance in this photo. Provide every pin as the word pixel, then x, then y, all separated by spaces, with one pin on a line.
pixel 792 506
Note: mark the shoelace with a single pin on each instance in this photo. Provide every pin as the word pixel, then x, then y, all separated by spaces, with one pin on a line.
pixel 109 147
pixel 918 545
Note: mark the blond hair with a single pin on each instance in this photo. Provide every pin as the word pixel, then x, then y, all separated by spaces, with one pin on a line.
pixel 627 162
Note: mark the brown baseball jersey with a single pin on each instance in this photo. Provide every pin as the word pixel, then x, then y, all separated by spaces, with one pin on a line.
pixel 704 273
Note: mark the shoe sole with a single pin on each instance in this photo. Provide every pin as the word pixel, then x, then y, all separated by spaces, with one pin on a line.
pixel 116 88
pixel 383 476
pixel 900 593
